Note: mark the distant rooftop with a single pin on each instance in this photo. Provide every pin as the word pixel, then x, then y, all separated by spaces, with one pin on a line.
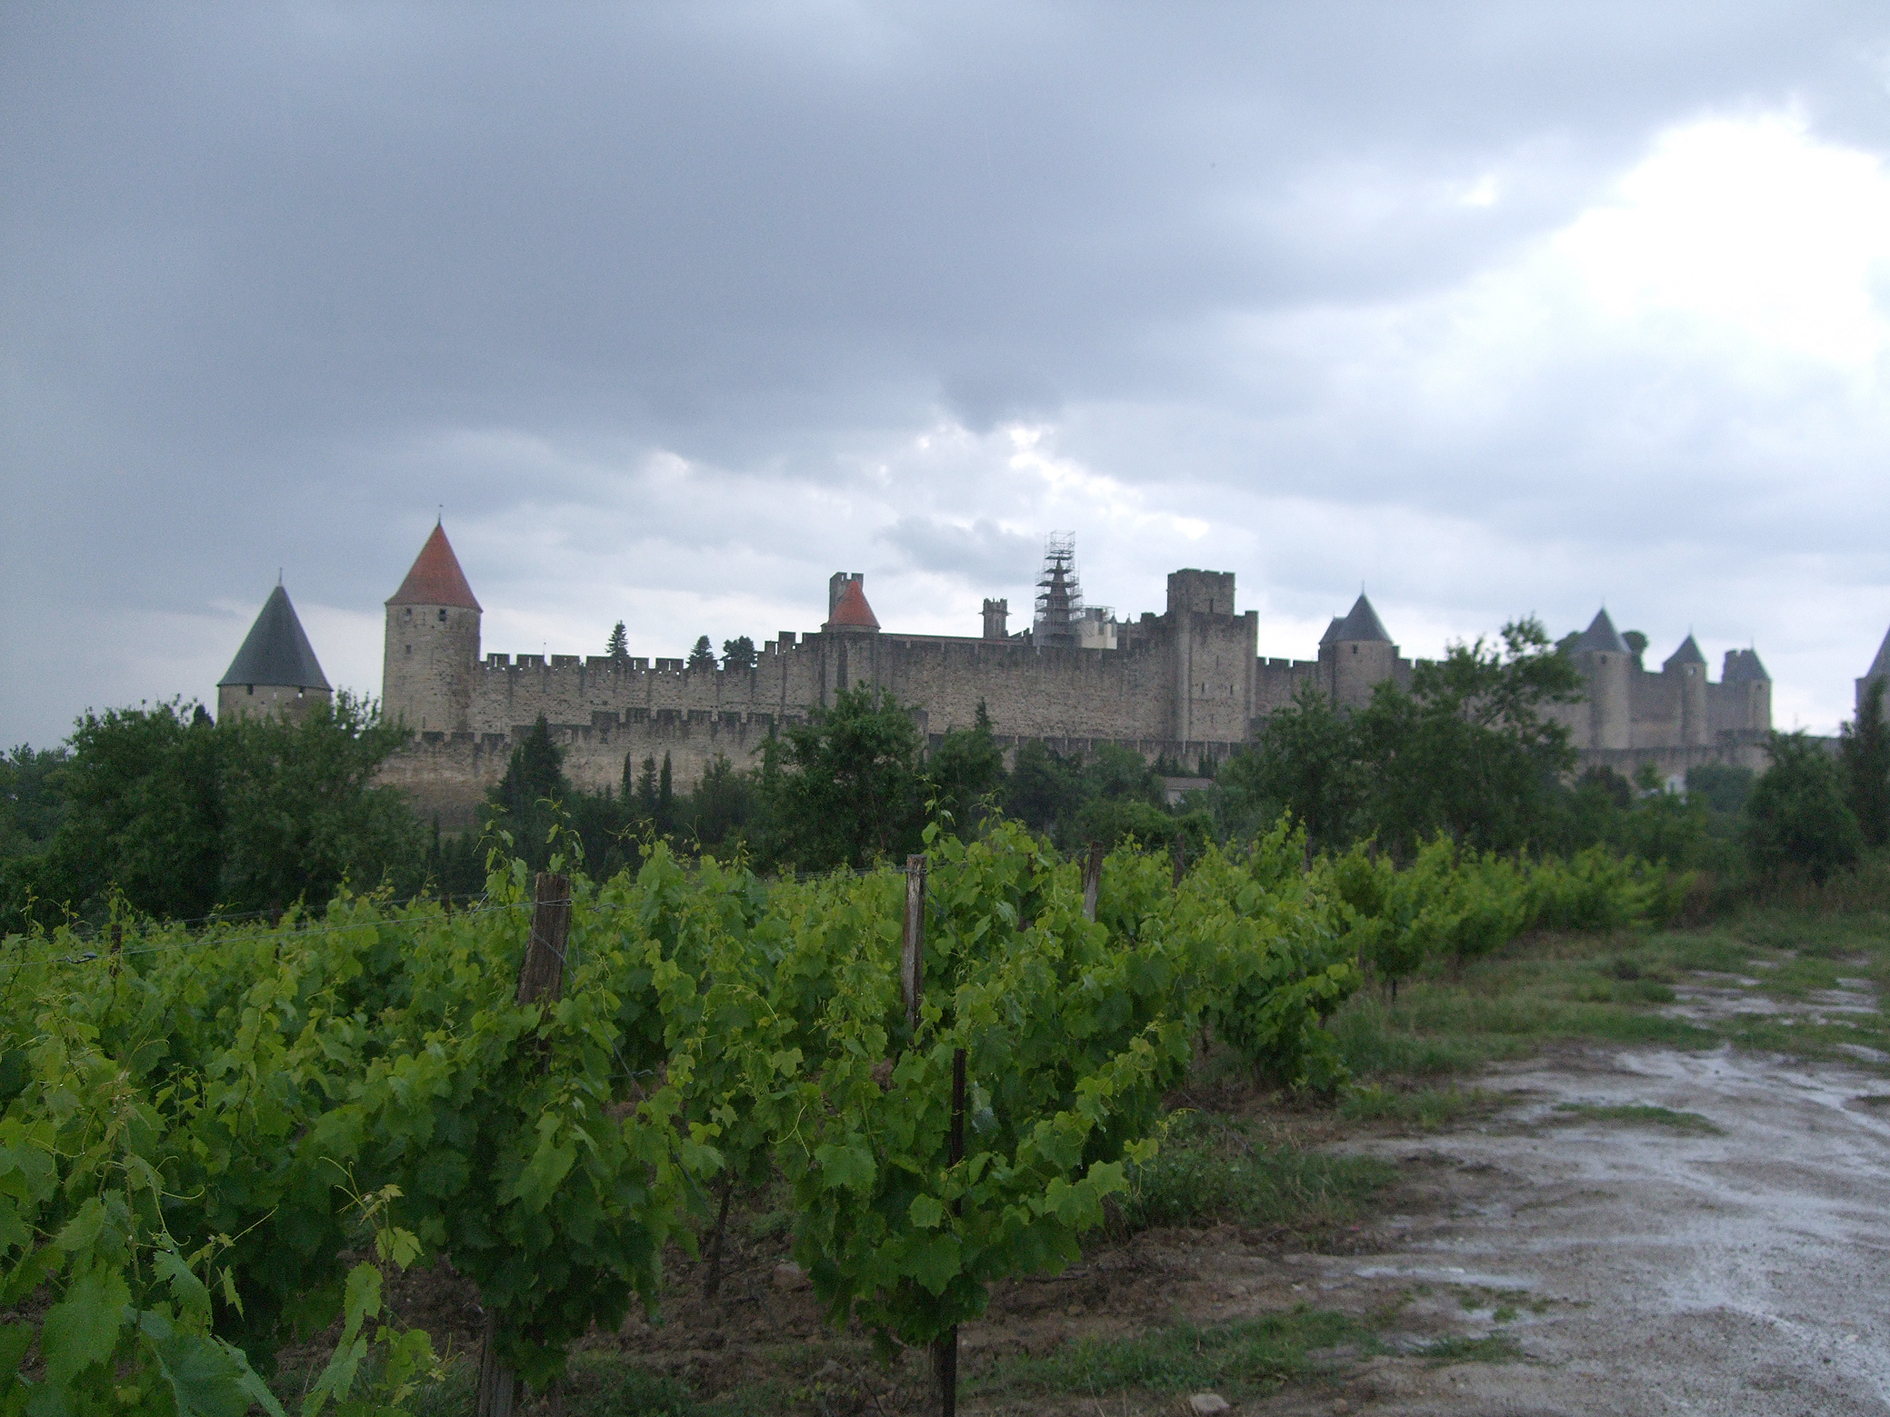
pixel 1688 653
pixel 1362 624
pixel 1601 638
pixel 435 577
pixel 276 652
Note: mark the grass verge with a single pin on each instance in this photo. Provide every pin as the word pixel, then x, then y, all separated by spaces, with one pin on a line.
pixel 1237 1360
pixel 1214 1169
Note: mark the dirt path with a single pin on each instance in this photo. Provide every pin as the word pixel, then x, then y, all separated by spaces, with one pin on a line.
pixel 1655 1264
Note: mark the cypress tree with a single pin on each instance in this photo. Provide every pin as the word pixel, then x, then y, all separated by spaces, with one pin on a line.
pixel 665 800
pixel 618 646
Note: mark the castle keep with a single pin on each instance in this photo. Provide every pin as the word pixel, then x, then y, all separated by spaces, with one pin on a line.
pixel 1188 683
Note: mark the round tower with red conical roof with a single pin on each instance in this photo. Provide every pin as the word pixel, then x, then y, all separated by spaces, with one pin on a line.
pixel 432 646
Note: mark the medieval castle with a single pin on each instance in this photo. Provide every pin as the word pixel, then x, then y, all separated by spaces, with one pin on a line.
pixel 1186 683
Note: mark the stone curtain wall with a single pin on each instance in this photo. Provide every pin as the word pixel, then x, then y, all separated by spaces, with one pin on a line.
pixel 1185 683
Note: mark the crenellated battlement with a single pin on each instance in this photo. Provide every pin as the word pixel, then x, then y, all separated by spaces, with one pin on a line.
pixel 1186 682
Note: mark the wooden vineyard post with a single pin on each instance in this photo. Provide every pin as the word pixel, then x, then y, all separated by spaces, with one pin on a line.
pixel 912 955
pixel 541 976
pixel 946 1357
pixel 1092 880
pixel 1181 857
pixel 118 942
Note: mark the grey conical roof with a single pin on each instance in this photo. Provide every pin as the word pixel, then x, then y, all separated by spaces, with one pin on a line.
pixel 1362 624
pixel 1743 667
pixel 276 651
pixel 1600 637
pixel 1880 666
pixel 1332 631
pixel 1688 653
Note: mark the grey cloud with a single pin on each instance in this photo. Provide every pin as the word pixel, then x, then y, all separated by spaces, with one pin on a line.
pixel 256 263
pixel 983 554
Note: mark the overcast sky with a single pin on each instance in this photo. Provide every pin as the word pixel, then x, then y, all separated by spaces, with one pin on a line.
pixel 1491 309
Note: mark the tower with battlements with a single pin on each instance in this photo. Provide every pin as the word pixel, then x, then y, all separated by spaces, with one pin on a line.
pixel 431 650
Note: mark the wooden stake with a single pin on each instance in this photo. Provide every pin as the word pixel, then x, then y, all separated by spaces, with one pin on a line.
pixel 118 940
pixel 1092 879
pixel 1181 857
pixel 912 956
pixel 945 1353
pixel 541 976
pixel 542 973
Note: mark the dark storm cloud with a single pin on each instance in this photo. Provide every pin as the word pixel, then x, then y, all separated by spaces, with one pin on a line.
pixel 265 267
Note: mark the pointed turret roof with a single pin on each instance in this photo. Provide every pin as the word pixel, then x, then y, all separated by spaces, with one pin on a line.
pixel 1332 630
pixel 1880 666
pixel 1601 637
pixel 851 612
pixel 1743 667
pixel 435 578
pixel 1688 653
pixel 1362 624
pixel 276 652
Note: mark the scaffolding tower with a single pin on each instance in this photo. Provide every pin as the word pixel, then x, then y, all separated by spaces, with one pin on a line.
pixel 1059 595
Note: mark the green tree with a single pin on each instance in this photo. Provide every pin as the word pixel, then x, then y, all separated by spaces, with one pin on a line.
pixel 618 645
pixel 646 789
pixel 844 788
pixel 718 811
pixel 1306 761
pixel 739 653
pixel 702 657
pixel 182 816
pixel 142 814
pixel 1796 817
pixel 1121 775
pixel 966 768
pixel 665 800
pixel 32 798
pixel 1864 751
pixel 301 813
pixel 1045 788
pixel 532 793
pixel 1468 750
pixel 1720 787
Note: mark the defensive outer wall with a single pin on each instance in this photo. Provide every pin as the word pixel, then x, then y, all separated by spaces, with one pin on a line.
pixel 1186 683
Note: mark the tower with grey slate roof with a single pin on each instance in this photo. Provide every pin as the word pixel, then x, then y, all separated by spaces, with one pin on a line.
pixel 275 672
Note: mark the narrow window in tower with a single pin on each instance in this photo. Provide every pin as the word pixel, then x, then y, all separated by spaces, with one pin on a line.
pixel 409 649
pixel 249 688
pixel 442 614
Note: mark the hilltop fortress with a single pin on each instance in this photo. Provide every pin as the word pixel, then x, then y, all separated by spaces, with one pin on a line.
pixel 1187 683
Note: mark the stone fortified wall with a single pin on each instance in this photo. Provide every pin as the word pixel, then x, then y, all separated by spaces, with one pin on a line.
pixel 1186 683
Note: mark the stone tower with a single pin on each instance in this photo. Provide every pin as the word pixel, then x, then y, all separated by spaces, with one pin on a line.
pixel 847 610
pixel 1688 666
pixel 275 671
pixel 1356 655
pixel 1748 688
pixel 1879 669
pixel 1605 662
pixel 432 646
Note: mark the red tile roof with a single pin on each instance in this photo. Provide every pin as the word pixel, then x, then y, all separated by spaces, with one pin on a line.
pixel 436 578
pixel 853 613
